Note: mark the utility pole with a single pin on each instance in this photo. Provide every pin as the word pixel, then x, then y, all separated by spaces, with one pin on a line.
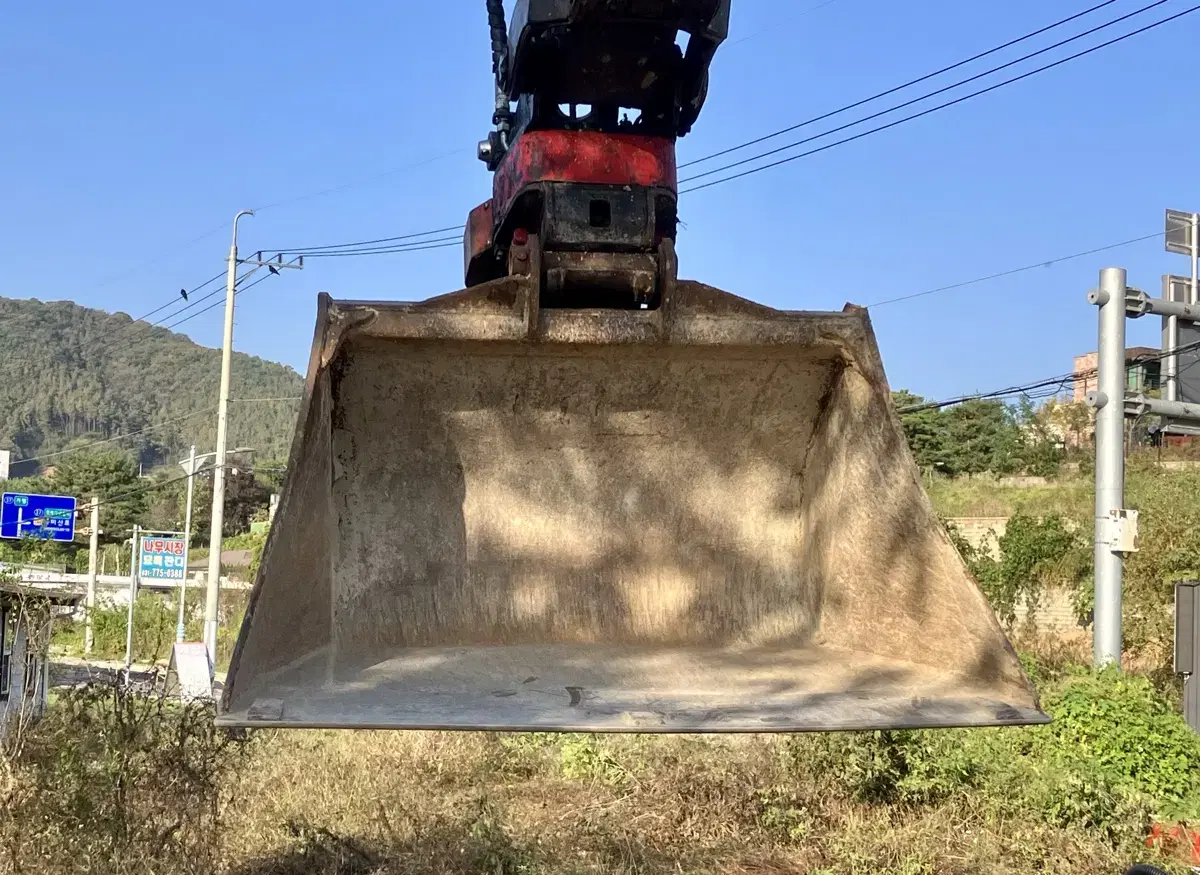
pixel 213 583
pixel 212 593
pixel 1109 403
pixel 93 561
pixel 187 543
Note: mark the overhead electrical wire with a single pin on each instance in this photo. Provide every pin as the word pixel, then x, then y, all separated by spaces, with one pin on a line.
pixel 446 243
pixel 213 306
pixel 150 487
pixel 360 248
pixel 1057 381
pixel 417 244
pixel 1014 271
pixel 891 91
pixel 357 243
pixel 917 115
pixel 119 437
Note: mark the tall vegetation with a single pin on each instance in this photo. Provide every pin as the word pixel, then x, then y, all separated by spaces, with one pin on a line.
pixel 70 372
pixel 980 436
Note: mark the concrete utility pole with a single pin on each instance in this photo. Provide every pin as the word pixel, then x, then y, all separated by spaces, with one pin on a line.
pixel 1109 403
pixel 213 583
pixel 93 561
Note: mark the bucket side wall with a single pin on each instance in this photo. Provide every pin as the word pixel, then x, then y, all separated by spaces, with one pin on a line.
pixel 895 586
pixel 289 618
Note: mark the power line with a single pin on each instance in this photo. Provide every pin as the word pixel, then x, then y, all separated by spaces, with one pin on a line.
pixel 786 20
pixel 112 499
pixel 1058 381
pixel 213 306
pixel 931 110
pixel 114 438
pixel 362 180
pixel 891 91
pixel 448 243
pixel 307 249
pixel 1014 271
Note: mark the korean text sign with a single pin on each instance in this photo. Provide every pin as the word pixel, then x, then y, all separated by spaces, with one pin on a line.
pixel 162 559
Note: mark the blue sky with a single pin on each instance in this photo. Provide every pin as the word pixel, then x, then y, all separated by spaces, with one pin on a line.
pixel 135 131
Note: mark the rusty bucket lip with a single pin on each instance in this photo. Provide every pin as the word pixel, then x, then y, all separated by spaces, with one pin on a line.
pixel 700 316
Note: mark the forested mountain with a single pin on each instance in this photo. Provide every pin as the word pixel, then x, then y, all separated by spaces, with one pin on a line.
pixel 69 373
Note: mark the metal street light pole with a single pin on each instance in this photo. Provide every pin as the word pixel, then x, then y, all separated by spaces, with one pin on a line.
pixel 187 542
pixel 218 501
pixel 1109 403
pixel 1195 296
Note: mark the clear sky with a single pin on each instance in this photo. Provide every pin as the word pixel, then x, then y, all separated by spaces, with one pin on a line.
pixel 134 131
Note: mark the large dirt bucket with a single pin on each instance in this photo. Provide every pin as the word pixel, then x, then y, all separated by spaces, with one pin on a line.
pixel 702 518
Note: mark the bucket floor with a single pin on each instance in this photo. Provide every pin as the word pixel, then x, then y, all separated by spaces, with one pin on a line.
pixel 616 688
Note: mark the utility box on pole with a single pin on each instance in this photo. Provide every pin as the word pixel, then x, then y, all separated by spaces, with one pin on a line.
pixel 1187 647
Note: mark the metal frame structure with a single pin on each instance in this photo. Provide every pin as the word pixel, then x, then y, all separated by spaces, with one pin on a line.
pixel 1115 526
pixel 1187 647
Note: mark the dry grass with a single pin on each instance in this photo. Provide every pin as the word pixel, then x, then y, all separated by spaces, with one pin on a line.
pixel 350 804
pixel 108 785
pixel 983 497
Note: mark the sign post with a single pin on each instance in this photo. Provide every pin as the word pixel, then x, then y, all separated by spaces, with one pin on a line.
pixel 49 517
pixel 133 573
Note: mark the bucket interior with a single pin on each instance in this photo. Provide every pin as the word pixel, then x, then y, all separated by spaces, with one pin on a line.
pixel 710 536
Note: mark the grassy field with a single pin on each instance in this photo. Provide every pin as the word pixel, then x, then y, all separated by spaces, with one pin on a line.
pixel 108 784
pixel 112 784
pixel 983 497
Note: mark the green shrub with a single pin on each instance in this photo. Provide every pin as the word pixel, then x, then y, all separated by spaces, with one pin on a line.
pixel 155 619
pixel 1119 727
pixel 893 767
pixel 1034 553
pixel 582 758
pixel 1115 755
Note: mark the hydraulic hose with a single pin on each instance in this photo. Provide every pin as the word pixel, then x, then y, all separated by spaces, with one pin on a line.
pixel 499 29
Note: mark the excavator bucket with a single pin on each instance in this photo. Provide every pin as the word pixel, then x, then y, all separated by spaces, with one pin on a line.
pixel 698 518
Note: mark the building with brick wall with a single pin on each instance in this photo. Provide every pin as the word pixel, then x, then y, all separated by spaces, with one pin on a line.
pixel 1143 375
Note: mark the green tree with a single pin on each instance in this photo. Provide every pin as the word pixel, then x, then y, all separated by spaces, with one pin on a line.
pixel 981 436
pixel 925 430
pixel 111 475
pixel 85 385
pixel 245 497
pixel 1039 448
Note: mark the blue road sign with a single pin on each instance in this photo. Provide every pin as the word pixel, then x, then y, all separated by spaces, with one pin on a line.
pixel 50 517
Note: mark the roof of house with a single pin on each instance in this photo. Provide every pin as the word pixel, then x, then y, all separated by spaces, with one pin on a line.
pixel 11 590
pixel 1137 352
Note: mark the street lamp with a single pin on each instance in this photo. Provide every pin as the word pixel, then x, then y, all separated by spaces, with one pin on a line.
pixel 192 465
